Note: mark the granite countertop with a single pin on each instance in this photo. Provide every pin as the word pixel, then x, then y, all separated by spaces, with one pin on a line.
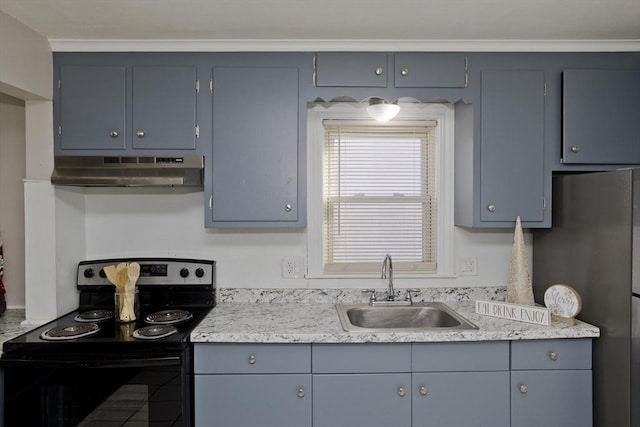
pixel 10 324
pixel 272 317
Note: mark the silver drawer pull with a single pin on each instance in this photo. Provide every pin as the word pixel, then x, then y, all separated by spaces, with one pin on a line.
pixel 401 391
pixel 523 389
pixel 300 393
pixel 140 134
pixel 424 391
pixel 252 359
pixel 114 134
pixel 379 71
pixel 553 356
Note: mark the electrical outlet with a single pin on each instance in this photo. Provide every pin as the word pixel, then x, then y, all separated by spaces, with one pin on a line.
pixel 468 266
pixel 292 267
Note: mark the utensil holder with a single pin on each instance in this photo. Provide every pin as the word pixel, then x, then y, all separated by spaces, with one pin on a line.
pixel 127 306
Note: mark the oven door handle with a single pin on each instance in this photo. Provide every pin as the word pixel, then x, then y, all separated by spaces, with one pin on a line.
pixel 142 362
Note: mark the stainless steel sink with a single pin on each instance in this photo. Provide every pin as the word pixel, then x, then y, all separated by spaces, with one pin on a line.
pixel 429 316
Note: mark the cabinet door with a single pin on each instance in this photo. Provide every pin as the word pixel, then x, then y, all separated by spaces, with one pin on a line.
pixel 362 400
pixel 454 399
pixel 255 145
pixel 92 107
pixel 430 70
pixel 601 117
pixel 368 69
pixel 558 398
pixel 512 144
pixel 164 107
pixel 253 400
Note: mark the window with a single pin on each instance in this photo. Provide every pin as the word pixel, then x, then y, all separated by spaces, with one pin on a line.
pixel 379 195
pixel 380 188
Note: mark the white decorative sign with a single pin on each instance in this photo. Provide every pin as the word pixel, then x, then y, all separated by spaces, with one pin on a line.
pixel 563 301
pixel 520 313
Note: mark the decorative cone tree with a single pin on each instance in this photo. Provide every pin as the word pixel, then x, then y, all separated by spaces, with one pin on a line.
pixel 519 289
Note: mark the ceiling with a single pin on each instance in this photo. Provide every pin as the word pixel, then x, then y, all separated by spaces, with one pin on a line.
pixel 384 21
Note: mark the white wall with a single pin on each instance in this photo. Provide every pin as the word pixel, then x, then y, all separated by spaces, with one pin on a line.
pixel 26 67
pixel 169 222
pixel 12 172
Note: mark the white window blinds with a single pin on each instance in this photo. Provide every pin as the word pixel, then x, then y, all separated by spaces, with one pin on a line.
pixel 379 195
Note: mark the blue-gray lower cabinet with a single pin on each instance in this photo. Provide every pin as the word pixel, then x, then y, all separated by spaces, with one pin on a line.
pixel 362 400
pixel 255 148
pixel 479 384
pixel 273 400
pixel 257 385
pixel 551 383
pixel 454 399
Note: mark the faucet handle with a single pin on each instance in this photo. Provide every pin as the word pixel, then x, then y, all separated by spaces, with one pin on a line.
pixel 407 295
pixel 372 294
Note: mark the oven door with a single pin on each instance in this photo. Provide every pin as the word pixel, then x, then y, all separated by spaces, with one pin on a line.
pixel 115 393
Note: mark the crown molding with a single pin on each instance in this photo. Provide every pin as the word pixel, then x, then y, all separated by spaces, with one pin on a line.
pixel 285 45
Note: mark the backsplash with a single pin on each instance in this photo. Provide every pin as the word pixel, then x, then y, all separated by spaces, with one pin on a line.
pixel 331 296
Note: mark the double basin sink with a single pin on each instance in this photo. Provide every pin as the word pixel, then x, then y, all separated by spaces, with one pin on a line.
pixel 429 316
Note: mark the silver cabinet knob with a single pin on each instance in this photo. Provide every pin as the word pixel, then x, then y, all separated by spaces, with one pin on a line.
pixel 404 72
pixel 140 134
pixel 252 359
pixel 114 134
pixel 300 393
pixel 401 391
pixel 575 148
pixel 523 389
pixel 553 356
pixel 288 207
pixel 379 71
pixel 424 391
pixel 491 208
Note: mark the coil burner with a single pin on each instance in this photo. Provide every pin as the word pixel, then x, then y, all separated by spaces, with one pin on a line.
pixel 168 317
pixel 154 332
pixel 70 332
pixel 94 316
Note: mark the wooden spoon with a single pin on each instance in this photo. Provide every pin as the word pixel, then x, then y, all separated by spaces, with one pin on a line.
pixel 123 276
pixel 112 274
pixel 134 274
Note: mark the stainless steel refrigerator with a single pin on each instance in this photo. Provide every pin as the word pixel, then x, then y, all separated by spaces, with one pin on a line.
pixel 594 246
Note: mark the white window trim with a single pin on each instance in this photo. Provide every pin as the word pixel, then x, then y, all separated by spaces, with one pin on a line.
pixel 444 114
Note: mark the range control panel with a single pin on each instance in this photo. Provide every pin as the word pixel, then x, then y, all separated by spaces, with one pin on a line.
pixel 153 271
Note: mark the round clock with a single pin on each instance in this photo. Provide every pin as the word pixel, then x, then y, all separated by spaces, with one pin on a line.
pixel 563 301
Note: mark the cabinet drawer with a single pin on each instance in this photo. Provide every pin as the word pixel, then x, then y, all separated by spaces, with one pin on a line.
pixel 361 358
pixel 252 358
pixel 460 356
pixel 551 354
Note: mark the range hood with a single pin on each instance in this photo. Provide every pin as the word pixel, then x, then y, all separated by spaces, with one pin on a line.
pixel 115 171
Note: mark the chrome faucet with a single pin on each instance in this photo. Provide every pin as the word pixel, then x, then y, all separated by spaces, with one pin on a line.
pixel 391 294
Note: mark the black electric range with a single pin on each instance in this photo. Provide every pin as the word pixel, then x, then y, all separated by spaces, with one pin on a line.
pixel 53 375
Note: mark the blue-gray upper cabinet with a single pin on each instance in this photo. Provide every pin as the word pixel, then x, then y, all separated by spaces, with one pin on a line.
pixel 118 107
pixel 368 69
pixel 164 107
pixel 601 117
pixel 255 148
pixel 500 163
pixel 92 107
pixel 430 70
